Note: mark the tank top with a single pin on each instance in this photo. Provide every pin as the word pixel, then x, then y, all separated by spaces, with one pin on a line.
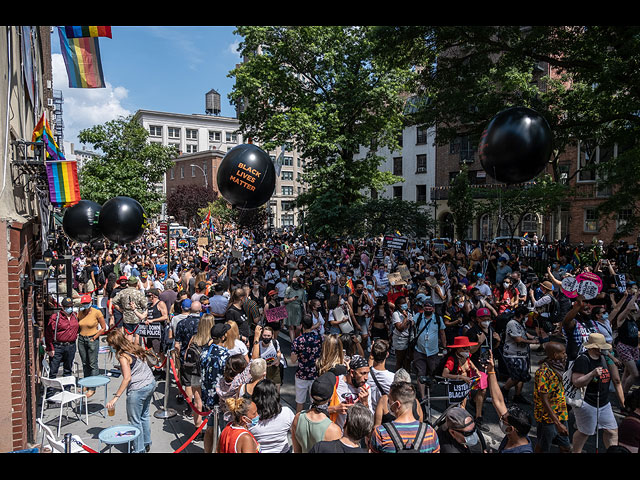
pixel 308 432
pixel 141 374
pixel 154 312
pixel 229 437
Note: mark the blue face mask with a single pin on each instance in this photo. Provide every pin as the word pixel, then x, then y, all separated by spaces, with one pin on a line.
pixel 404 306
pixel 69 309
pixel 255 420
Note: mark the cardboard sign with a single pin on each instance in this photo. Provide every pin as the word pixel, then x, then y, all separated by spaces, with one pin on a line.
pixel 570 287
pixel 300 252
pixel 172 243
pixel 395 243
pixel 395 279
pixel 203 241
pixel 153 330
pixel 403 270
pixel 276 314
pixel 236 253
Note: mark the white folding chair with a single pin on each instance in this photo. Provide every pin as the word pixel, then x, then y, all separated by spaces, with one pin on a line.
pixel 63 397
pixel 56 445
pixel 66 381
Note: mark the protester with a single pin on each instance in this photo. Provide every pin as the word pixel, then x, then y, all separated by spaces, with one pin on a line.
pixel 91 325
pixel 272 429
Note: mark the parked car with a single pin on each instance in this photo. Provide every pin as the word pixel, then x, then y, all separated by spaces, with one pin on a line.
pixel 511 240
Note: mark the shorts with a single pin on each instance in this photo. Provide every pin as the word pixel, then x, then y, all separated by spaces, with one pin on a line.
pixel 273 374
pixel 185 378
pixel 586 418
pixel 547 432
pixel 382 333
pixel 518 368
pixel 130 328
pixel 303 390
pixel 195 380
pixel 363 322
pixel 627 353
pixel 423 364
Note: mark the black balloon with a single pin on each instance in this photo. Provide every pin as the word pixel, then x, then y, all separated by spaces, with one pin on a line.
pixel 80 221
pixel 122 220
pixel 516 145
pixel 246 176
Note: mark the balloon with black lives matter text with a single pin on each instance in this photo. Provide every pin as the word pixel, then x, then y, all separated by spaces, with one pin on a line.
pixel 246 177
pixel 122 220
pixel 80 221
pixel 516 145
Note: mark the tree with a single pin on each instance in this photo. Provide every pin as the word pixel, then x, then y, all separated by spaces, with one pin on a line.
pixel 469 74
pixel 461 202
pixel 320 90
pixel 128 165
pixel 224 216
pixel 184 204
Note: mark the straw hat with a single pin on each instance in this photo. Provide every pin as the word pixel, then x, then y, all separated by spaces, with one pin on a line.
pixel 596 340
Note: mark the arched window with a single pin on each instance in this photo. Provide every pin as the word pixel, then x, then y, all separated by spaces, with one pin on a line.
pixel 530 223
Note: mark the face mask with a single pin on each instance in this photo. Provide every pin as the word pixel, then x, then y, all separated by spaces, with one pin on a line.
pixel 69 309
pixel 460 304
pixel 605 316
pixel 485 324
pixel 254 421
pixel 266 341
pixel 404 306
pixel 464 354
pixel 471 440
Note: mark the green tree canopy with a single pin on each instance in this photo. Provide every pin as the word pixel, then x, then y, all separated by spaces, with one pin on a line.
pixel 127 165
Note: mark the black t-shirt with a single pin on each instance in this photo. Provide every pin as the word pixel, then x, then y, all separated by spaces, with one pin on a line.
pixel 472 334
pixel 585 364
pixel 238 316
pixel 335 446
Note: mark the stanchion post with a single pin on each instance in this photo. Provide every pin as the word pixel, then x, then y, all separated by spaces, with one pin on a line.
pixel 166 412
pixel 67 443
pixel 216 429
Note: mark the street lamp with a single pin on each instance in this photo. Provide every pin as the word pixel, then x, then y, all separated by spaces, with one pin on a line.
pixel 203 173
pixel 47 257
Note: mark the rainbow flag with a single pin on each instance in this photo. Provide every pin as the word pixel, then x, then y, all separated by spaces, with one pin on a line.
pixel 79 32
pixel 526 234
pixel 350 285
pixel 576 257
pixel 64 188
pixel 82 61
pixel 558 253
pixel 42 133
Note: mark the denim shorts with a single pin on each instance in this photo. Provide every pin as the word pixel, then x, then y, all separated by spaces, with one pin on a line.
pixel 547 432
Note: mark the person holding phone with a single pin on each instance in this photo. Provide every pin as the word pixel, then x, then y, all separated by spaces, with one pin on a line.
pixel 295 299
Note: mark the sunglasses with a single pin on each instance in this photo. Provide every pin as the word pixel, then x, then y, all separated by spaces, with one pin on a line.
pixel 466 433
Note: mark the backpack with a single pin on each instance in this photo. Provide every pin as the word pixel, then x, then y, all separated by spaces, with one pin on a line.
pixel 554 310
pixel 191 362
pixel 397 440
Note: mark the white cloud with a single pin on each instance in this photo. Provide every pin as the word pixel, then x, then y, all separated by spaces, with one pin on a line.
pixel 233 48
pixel 85 107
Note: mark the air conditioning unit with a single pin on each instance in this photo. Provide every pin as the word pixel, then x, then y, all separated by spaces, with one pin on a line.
pixel 50 102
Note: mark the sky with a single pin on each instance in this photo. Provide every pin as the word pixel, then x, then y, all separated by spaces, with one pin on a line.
pixel 162 68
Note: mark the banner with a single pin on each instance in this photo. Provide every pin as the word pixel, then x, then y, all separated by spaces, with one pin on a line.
pixel 300 252
pixel 394 242
pixel 458 390
pixel 153 330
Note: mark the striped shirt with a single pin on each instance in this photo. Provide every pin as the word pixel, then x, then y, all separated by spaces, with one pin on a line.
pixel 381 441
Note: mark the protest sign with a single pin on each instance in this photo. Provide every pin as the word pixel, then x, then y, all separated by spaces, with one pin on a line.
pixel 299 252
pixel 394 242
pixel 275 314
pixel 589 285
pixel 153 330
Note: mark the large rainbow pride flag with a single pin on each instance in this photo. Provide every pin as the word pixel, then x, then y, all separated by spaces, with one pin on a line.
pixel 82 61
pixel 77 32
pixel 64 188
pixel 42 133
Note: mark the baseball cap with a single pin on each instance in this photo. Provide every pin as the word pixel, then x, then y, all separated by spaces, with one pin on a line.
pixel 133 280
pixel 122 278
pixel 322 387
pixel 67 302
pixel 483 312
pixel 186 303
pixel 85 298
pixel 421 299
pixel 219 329
pixel 458 418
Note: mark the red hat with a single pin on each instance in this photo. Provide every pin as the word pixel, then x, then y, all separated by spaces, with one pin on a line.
pixel 123 277
pixel 460 342
pixel 85 299
pixel 483 312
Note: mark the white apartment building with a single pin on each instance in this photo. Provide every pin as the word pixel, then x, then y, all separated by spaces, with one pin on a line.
pixel 199 133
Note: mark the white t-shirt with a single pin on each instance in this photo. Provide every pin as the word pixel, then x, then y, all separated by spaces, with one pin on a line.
pixel 239 348
pixel 319 320
pixel 272 434
pixel 512 349
pixel 344 391
pixel 400 339
pixel 385 379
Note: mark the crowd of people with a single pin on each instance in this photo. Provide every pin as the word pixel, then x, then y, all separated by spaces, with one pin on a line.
pixel 370 329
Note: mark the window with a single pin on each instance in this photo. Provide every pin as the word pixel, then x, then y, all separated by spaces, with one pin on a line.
pixel 287 220
pixel 172 174
pixel 231 137
pixel 181 171
pixel 215 136
pixel 624 216
pixel 287 161
pixel 173 132
pixel 287 190
pixel 590 220
pixel 191 134
pixel 155 131
pixel 421 163
pixel 287 175
pixel 529 223
pixel 191 148
pixel 421 193
pixel 477 177
pixel 287 205
pixel 486 227
pixel 397 192
pixel 421 135
pixel 204 168
pixel 464 148
pixel 397 166
pixel 193 171
pixel 563 171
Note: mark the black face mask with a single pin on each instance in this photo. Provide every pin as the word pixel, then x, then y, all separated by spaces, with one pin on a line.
pixel 266 341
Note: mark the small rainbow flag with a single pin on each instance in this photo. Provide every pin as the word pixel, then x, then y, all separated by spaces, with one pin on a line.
pixel 350 285
pixel 558 253
pixel 64 188
pixel 82 61
pixel 576 257
pixel 79 32
pixel 42 133
pixel 526 234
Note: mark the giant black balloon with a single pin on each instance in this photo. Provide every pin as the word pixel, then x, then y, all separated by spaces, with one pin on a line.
pixel 516 145
pixel 80 221
pixel 246 176
pixel 122 220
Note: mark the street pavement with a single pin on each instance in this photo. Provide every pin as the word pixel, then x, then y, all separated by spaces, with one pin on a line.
pixel 174 433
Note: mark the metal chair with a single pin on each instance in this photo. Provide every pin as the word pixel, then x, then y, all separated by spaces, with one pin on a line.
pixel 56 445
pixel 66 381
pixel 63 397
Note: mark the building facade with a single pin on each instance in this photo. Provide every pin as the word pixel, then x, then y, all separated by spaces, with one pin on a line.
pixel 202 141
pixel 25 53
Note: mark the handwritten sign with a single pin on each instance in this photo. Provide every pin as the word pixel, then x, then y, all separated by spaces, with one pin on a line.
pixel 589 285
pixel 395 279
pixel 203 241
pixel 299 252
pixel 404 272
pixel 153 330
pixel 276 314
pixel 570 287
